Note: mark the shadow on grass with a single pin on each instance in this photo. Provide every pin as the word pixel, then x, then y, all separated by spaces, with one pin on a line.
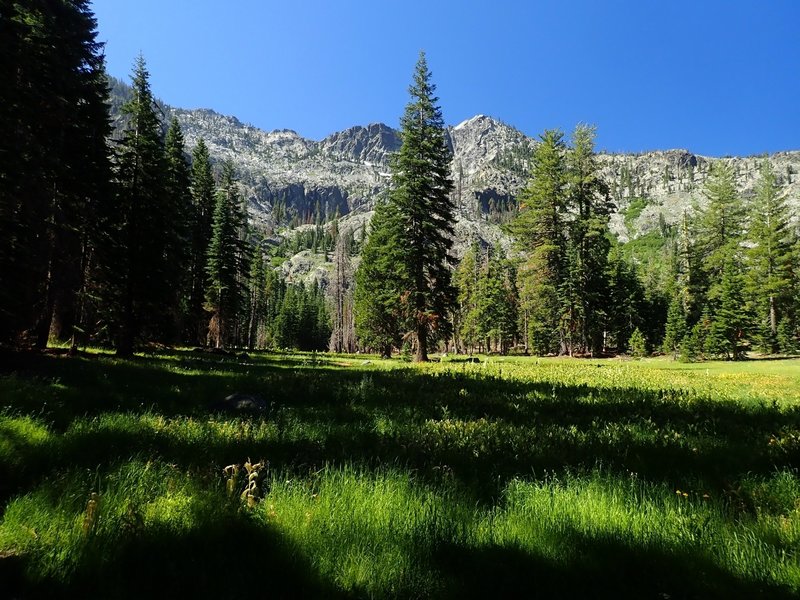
pixel 482 430
pixel 592 568
pixel 232 559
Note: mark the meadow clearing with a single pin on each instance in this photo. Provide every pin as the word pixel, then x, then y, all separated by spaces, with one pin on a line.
pixel 511 477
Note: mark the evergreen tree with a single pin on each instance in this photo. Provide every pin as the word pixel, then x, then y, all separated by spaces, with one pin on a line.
pixel 137 258
pixel 257 301
pixel 381 279
pixel 637 344
pixel 729 322
pixel 55 165
pixel 467 282
pixel 769 259
pixel 227 264
pixel 539 231
pixel 419 221
pixel 675 326
pixel 721 224
pixel 497 302
pixel 421 187
pixel 178 212
pixel 203 203
pixel 589 199
pixel 626 302
pixel 341 293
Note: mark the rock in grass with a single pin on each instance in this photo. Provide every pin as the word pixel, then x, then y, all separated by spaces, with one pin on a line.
pixel 242 403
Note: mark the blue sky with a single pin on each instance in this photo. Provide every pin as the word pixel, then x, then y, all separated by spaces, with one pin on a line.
pixel 714 77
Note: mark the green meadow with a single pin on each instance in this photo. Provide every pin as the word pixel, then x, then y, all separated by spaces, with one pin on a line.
pixel 513 477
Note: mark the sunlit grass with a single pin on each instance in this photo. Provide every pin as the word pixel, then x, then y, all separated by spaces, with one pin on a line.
pixel 389 479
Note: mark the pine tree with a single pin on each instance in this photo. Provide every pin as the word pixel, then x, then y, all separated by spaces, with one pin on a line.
pixel 675 327
pixel 341 293
pixel 589 198
pixel 55 165
pixel 497 302
pixel 539 232
pixel 418 219
pixel 626 301
pixel 637 344
pixel 769 259
pixel 226 262
pixel 421 187
pixel 380 280
pixel 137 257
pixel 179 215
pixel 467 279
pixel 202 191
pixel 721 224
pixel 257 300
pixel 730 318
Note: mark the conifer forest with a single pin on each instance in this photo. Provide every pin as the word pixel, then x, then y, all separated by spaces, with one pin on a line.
pixel 206 393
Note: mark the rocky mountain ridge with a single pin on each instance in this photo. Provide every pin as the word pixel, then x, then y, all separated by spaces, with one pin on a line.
pixel 290 180
pixel 347 170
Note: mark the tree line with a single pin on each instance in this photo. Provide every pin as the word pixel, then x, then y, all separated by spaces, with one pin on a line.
pixel 121 237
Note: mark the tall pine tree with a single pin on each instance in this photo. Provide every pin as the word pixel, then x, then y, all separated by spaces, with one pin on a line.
pixel 769 260
pixel 202 191
pixel 54 164
pixel 178 212
pixel 226 263
pixel 421 216
pixel 137 258
pixel 590 203
pixel 539 233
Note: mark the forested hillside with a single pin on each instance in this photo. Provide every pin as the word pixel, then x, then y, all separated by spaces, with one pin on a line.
pixel 129 223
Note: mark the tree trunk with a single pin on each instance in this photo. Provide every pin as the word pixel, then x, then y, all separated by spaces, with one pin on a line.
pixel 422 343
pixel 773 325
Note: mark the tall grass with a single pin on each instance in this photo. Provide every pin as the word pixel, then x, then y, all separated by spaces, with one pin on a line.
pixel 517 477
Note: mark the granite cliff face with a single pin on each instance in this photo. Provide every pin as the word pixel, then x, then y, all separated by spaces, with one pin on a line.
pixel 288 179
pixel 347 170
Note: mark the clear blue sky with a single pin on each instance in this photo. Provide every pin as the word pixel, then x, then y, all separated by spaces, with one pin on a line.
pixel 716 77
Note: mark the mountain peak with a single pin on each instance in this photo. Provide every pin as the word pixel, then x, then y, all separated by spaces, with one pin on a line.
pixel 476 120
pixel 371 144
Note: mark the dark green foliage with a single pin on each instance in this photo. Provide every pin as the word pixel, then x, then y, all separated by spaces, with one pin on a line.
pixel 179 216
pixel 227 264
pixel 137 265
pixel 770 276
pixel 487 311
pixel 721 224
pixel 587 281
pixel 202 188
pixel 420 193
pixel 539 232
pixel 787 337
pixel 691 348
pixel 303 319
pixel 54 166
pixel 563 231
pixel 466 317
pixel 626 304
pixel 406 288
pixel 675 327
pixel 381 279
pixel 257 301
pixel 730 319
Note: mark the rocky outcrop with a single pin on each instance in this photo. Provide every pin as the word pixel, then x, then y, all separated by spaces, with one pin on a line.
pixel 372 145
pixel 289 179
